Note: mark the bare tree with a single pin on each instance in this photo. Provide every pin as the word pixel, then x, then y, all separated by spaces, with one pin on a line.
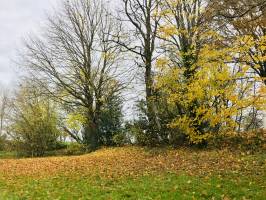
pixel 3 109
pixel 232 9
pixel 76 62
pixel 142 20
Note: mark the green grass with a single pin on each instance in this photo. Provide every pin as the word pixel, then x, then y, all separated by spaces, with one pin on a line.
pixel 163 186
pixel 217 183
pixel 7 155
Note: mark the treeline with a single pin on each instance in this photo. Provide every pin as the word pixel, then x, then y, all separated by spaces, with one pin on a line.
pixel 200 64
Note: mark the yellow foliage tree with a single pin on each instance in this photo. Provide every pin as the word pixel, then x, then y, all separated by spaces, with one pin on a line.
pixel 208 102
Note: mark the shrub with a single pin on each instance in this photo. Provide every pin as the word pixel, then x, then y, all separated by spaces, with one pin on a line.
pixel 75 149
pixel 35 124
pixel 251 141
pixel 2 143
pixel 121 138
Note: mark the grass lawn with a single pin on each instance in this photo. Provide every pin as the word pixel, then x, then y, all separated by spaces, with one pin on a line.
pixel 6 155
pixel 137 173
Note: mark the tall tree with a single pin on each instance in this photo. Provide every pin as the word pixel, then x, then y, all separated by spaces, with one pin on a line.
pixel 184 30
pixel 76 62
pixel 143 17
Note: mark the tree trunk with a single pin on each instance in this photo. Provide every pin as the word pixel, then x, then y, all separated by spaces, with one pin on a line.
pixel 154 124
pixel 91 135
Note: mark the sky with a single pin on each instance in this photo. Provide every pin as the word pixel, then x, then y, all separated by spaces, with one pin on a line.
pixel 18 19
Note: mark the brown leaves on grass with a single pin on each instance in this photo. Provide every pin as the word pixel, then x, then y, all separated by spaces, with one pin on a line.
pixel 132 161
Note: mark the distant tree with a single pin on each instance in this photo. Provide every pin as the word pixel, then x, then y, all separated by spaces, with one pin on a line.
pixel 3 108
pixel 2 143
pixel 34 122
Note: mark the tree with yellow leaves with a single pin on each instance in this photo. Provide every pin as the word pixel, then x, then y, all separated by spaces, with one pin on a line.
pixel 244 20
pixel 33 122
pixel 209 100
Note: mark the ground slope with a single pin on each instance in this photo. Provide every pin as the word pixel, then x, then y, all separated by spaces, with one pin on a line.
pixel 137 173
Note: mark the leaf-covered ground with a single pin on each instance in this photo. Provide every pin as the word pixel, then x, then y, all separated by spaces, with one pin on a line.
pixel 137 173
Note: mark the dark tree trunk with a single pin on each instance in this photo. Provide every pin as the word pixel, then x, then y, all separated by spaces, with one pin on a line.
pixel 91 135
pixel 154 124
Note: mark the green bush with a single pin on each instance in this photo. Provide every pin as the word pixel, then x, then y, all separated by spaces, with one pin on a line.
pixel 61 145
pixel 2 143
pixel 35 124
pixel 75 149
pixel 121 139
